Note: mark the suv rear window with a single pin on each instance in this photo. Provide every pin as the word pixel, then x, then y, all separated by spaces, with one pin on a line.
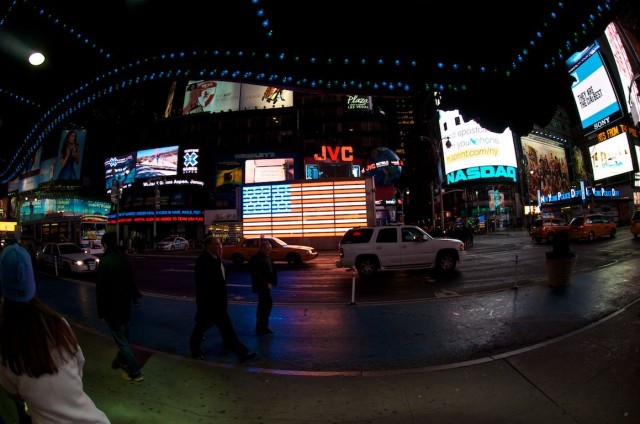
pixel 357 235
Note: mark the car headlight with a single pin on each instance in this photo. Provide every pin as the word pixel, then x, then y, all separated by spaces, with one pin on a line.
pixel 79 263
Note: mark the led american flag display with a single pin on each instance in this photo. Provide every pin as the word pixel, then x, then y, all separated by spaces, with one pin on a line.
pixel 305 209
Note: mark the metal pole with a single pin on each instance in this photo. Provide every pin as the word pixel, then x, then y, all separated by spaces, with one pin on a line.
pixel 441 208
pixel 433 207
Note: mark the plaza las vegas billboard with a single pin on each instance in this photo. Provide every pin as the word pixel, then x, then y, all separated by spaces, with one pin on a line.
pixel 473 154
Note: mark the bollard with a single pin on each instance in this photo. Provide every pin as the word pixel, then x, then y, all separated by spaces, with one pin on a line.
pixel 353 286
pixel 515 280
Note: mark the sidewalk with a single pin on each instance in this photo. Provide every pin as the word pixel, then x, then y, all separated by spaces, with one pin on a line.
pixel 530 355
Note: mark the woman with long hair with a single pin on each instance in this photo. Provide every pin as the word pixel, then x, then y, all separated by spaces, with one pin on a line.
pixel 40 359
pixel 69 157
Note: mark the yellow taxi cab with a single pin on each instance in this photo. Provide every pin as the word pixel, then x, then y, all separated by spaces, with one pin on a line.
pixel 591 226
pixel 635 224
pixel 245 248
pixel 547 228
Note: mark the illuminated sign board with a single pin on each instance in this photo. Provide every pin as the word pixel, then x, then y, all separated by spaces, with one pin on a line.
pixel 593 90
pixel 158 162
pixel 190 161
pixel 611 157
pixel 304 209
pixel 471 152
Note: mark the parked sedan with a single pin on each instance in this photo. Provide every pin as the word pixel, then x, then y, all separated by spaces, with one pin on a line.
pixel 67 258
pixel 173 243
pixel 244 249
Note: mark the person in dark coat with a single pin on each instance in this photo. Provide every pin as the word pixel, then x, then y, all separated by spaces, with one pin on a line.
pixel 212 302
pixel 115 293
pixel 263 278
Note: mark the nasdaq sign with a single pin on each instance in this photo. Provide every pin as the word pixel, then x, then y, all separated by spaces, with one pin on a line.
pixel 482 172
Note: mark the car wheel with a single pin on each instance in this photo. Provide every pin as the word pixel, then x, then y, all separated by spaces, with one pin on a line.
pixel 66 269
pixel 591 236
pixel 446 261
pixel 294 259
pixel 613 233
pixel 173 248
pixel 550 237
pixel 237 259
pixel 367 266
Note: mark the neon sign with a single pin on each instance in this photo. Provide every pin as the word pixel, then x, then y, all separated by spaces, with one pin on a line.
pixel 482 172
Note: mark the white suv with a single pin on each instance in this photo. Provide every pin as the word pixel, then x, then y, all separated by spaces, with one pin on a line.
pixel 397 247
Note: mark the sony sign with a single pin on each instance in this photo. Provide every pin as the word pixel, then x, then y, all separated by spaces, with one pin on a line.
pixel 482 172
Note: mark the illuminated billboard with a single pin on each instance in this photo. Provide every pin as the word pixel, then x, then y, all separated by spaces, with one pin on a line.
pixel 593 91
pixel 228 176
pixel 611 157
pixel 304 209
pixel 546 166
pixel 70 151
pixel 268 170
pixel 158 162
pixel 263 97
pixel 223 96
pixel 625 71
pixel 474 154
pixel 121 168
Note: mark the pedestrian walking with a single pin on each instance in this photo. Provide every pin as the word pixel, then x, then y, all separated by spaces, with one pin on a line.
pixel 263 278
pixel 212 302
pixel 41 360
pixel 116 292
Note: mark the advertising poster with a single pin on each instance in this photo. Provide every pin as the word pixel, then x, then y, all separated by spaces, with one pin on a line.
pixel 228 176
pixel 546 167
pixel 211 96
pixel 467 145
pixel 69 159
pixel 611 157
pixel 121 168
pixel 260 97
pixel 158 162
pixel 592 89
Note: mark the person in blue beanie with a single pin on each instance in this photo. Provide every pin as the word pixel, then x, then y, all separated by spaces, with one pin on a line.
pixel 41 361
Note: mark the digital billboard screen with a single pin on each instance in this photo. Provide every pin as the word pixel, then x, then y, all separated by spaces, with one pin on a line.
pixel 158 162
pixel 70 153
pixel 472 153
pixel 228 176
pixel 592 89
pixel 268 170
pixel 546 167
pixel 121 168
pixel 611 157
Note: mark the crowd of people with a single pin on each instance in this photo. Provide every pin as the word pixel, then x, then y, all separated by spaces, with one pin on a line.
pixel 44 374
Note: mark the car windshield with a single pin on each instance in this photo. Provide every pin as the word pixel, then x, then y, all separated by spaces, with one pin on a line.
pixel 65 249
pixel 278 241
pixel 169 239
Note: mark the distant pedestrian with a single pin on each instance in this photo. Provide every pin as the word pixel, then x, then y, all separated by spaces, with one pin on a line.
pixel 115 293
pixel 41 360
pixel 212 302
pixel 263 278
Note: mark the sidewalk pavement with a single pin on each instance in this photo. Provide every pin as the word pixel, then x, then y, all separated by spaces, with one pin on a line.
pixel 532 355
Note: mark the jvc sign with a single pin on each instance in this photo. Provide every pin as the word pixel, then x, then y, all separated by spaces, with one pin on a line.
pixel 482 172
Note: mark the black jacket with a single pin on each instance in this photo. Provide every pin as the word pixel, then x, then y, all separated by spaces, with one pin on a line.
pixel 263 272
pixel 211 288
pixel 115 287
